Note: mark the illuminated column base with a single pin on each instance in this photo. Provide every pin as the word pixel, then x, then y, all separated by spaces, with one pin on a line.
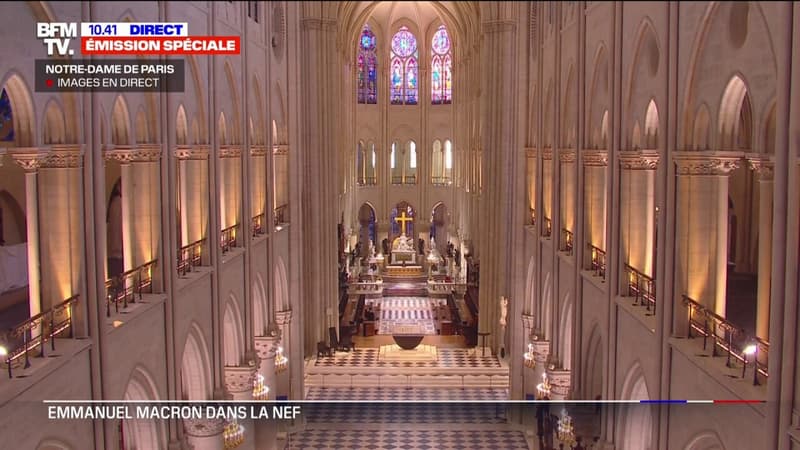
pixel 637 214
pixel 239 382
pixel 282 370
pixel 541 352
pixel 30 160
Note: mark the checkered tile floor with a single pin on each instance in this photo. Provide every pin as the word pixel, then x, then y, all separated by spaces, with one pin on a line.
pixel 406 413
pixel 390 394
pixel 448 358
pixel 400 312
pixel 407 439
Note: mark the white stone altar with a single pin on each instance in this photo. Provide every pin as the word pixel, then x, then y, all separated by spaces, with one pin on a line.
pixel 403 251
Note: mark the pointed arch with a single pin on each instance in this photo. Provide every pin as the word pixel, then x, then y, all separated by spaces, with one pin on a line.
pixel 651 125
pixel 199 127
pixel 233 333
pixel 18 115
pixel 222 129
pixel 569 117
pixel 701 134
pixel 120 122
pixel 598 96
pixel 142 433
pixel 52 444
pixel 735 116
pixel 282 301
pixel 13 228
pixel 54 130
pixel 142 130
pixel 181 127
pixel 195 373
pixel 593 367
pixel 636 423
pixel 441 67
pixel 769 130
pixel 706 440
pixel 403 80
pixel 260 306
pixel 235 126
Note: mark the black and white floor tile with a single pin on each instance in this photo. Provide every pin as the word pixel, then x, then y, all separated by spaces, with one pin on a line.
pixel 448 358
pixel 408 439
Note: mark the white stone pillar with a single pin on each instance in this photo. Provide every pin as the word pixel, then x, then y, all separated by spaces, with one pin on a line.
pixel 764 169
pixel 205 434
pixel 30 160
pixel 193 166
pixel 283 377
pixel 541 354
pixel 702 225
pixel 595 166
pixel 568 182
pixel 239 383
pixel 266 346
pixel 637 209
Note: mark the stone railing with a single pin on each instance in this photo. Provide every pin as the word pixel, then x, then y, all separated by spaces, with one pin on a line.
pixel 547 231
pixel 123 288
pixel 36 331
pixel 728 340
pixel 365 288
pixel 368 181
pixel 280 215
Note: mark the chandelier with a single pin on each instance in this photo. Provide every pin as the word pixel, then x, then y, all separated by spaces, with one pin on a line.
pixel 529 362
pixel 543 388
pixel 565 431
pixel 233 435
pixel 260 390
pixel 281 361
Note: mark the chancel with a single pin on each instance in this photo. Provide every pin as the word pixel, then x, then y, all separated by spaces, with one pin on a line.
pixel 523 200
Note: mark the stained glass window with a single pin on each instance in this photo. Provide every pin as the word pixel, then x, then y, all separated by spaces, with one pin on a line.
pixel 6 118
pixel 403 76
pixel 441 63
pixel 367 63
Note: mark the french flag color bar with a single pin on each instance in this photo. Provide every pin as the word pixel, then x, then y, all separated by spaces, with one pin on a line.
pixel 717 402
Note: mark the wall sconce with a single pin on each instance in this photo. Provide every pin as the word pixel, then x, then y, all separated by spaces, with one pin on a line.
pixel 529 361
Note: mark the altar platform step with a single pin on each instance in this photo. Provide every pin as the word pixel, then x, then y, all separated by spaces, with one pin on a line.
pixel 406 289
pixel 326 378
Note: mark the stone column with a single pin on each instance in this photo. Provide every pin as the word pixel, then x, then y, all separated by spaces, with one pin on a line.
pixel 560 383
pixel 541 354
pixel 702 226
pixel 283 377
pixel 193 167
pixel 230 186
pixel 239 383
pixel 566 158
pixel 595 182
pixel 547 191
pixel 60 183
pixel 637 209
pixel 205 434
pixel 30 160
pixel 764 168
pixel 266 347
pixel 500 156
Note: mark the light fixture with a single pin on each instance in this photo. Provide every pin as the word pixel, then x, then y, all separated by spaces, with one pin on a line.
pixel 565 430
pixel 751 349
pixel 529 362
pixel 260 390
pixel 543 388
pixel 281 361
pixel 233 435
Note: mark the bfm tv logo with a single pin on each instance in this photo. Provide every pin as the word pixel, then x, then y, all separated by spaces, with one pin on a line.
pixel 57 36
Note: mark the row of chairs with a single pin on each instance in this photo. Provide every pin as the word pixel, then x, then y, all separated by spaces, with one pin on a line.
pixel 345 345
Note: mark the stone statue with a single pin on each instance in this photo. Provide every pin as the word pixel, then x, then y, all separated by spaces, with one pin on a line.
pixel 371 248
pixel 403 245
pixel 503 311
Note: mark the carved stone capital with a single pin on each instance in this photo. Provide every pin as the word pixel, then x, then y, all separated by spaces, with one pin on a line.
pixel 282 149
pixel 64 156
pixel 230 151
pixel 566 155
pixel 267 346
pixel 258 150
pixel 29 158
pixel 560 381
pixel 595 158
pixel 531 152
pixel 240 378
pixel 639 160
pixel 528 321
pixel 547 153
pixel 762 165
pixel 283 317
pixel 204 427
pixel 541 350
pixel 706 163
pixel 126 154
pixel 187 152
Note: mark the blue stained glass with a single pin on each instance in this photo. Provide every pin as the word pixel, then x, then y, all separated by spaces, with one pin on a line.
pixel 441 75
pixel 367 63
pixel 6 118
pixel 403 77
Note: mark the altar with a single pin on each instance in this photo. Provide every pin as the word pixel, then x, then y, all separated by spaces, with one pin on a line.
pixel 402 252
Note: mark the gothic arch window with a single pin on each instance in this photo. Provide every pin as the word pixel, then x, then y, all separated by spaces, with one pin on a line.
pixel 441 64
pixel 403 70
pixel 403 163
pixel 367 68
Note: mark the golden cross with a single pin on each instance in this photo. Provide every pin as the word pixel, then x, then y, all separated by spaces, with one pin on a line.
pixel 402 221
